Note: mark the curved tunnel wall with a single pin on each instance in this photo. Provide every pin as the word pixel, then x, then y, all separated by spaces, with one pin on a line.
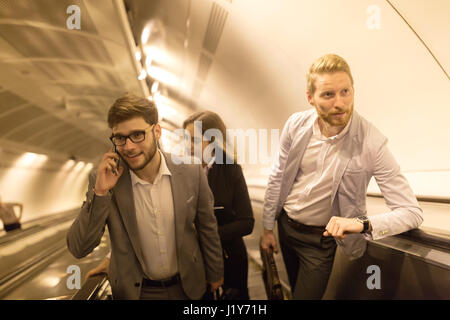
pixel 256 77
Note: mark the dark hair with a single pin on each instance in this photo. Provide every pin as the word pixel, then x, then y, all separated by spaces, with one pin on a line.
pixel 131 106
pixel 211 120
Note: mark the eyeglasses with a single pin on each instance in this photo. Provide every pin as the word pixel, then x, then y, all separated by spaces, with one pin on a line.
pixel 135 137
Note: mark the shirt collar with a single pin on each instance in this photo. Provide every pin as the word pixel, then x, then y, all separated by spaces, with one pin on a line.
pixel 163 170
pixel 209 165
pixel 317 133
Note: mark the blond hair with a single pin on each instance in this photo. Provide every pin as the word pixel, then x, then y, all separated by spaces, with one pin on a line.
pixel 329 63
pixel 130 106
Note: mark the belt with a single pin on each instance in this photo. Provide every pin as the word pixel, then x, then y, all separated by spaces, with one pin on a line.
pixel 303 227
pixel 161 283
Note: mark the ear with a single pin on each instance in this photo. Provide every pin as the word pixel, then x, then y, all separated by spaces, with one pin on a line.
pixel 310 98
pixel 157 131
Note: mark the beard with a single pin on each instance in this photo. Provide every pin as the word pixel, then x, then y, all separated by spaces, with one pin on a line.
pixel 331 119
pixel 148 156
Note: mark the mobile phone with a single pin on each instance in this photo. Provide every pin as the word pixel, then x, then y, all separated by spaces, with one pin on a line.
pixel 116 169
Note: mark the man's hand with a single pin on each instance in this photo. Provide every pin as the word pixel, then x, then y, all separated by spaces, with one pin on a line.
pixel 101 268
pixel 216 285
pixel 268 241
pixel 339 226
pixel 106 176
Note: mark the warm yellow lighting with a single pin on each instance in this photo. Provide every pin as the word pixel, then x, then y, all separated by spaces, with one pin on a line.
pixel 148 61
pixel 41 158
pixel 154 53
pixel 89 166
pixel 50 281
pixel 145 34
pixel 155 87
pixel 142 75
pixel 163 76
pixel 30 159
pixel 80 165
pixel 68 165
pixel 166 111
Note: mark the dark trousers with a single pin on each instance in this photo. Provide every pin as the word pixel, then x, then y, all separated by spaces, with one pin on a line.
pixel 235 264
pixel 174 292
pixel 308 257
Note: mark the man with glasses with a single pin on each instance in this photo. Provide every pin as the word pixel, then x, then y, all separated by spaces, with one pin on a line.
pixel 160 217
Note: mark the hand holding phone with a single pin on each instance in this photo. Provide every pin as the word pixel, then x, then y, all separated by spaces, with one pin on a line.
pixel 116 169
pixel 108 172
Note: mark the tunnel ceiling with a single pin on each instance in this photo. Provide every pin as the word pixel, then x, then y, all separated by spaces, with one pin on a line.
pixel 248 60
pixel 242 59
pixel 56 84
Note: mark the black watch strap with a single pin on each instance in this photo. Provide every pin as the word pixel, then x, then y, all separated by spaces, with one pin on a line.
pixel 365 222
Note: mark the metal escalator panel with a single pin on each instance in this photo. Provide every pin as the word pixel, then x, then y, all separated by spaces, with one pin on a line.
pixel 95 288
pixel 396 267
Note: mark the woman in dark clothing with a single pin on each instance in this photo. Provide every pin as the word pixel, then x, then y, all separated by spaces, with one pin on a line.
pixel 232 205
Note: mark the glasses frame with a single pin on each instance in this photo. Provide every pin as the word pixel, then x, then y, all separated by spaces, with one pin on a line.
pixel 129 136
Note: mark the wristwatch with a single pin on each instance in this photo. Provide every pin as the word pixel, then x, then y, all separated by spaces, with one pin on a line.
pixel 365 221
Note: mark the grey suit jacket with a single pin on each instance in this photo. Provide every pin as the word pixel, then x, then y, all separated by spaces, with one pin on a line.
pixel 199 250
pixel 364 154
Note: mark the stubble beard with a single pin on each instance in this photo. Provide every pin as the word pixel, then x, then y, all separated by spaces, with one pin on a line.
pixel 147 157
pixel 337 122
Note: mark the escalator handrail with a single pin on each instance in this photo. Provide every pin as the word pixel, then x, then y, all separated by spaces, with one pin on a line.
pixel 91 287
pixel 38 224
pixel 440 240
pixel 435 238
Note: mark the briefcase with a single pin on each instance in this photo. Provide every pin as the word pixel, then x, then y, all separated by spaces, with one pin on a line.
pixel 270 276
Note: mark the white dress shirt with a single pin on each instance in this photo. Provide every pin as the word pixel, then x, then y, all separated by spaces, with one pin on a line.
pixel 156 223
pixel 209 165
pixel 309 201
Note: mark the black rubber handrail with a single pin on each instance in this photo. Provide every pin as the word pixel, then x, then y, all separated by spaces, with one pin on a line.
pixel 91 289
pixel 426 236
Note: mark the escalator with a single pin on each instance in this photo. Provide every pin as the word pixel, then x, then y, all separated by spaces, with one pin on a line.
pixel 411 265
pixel 35 260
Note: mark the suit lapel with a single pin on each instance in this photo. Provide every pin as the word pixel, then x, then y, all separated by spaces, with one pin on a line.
pixel 295 156
pixel 345 154
pixel 123 194
pixel 179 198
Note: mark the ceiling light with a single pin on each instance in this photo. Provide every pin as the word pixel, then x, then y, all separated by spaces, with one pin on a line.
pixel 155 87
pixel 142 75
pixel 145 34
pixel 148 61
pixel 163 76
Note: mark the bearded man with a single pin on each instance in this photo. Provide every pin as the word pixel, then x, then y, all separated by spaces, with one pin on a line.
pixel 317 188
pixel 160 216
